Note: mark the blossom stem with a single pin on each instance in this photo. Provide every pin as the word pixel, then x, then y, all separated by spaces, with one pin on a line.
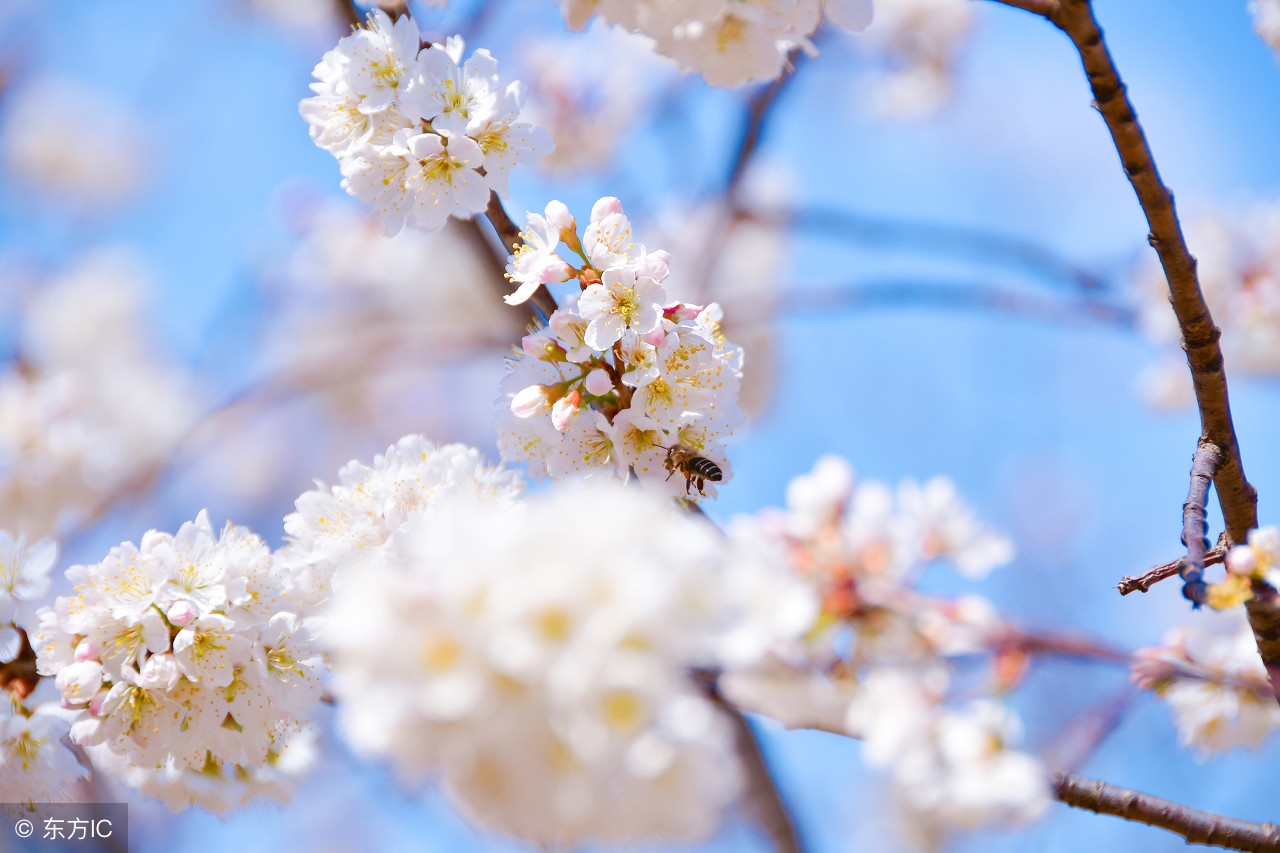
pixel 1196 826
pixel 1200 336
pixel 757 115
pixel 1151 577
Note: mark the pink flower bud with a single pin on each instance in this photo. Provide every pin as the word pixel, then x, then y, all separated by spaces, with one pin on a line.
pixel 598 382
pixel 182 614
pixel 604 207
pixel 565 409
pixel 530 402
pixel 656 337
pixel 88 650
pixel 678 312
pixel 95 704
pixel 559 217
pixel 1241 560
pixel 542 345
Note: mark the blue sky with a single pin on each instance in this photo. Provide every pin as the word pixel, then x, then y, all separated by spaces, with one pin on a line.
pixel 1038 422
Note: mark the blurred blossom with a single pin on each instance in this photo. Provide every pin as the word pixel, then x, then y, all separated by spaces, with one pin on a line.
pixel 1266 21
pixel 728 42
pixel 90 404
pixel 913 47
pixel 305 17
pixel 1166 384
pixel 544 679
pixel 881 646
pixel 589 91
pixel 56 167
pixel 35 764
pixel 1238 262
pixel 1214 683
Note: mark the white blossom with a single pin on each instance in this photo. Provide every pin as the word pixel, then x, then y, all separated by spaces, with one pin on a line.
pixel 211 702
pixel 24 580
pixel 546 680
pixel 418 133
pixel 1266 21
pixel 35 766
pixel 620 380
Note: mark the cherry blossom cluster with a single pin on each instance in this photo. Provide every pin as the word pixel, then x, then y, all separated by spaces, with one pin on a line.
pixel 547 682
pixel 728 42
pixel 419 134
pixel 1214 683
pixel 187 663
pixel 874 665
pixel 1238 265
pixel 620 380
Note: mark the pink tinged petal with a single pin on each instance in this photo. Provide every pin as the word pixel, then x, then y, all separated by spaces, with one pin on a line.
pixel 559 218
pixel 851 15
pixel 182 613
pixel 566 409
pixel 604 207
pixel 654 265
pixel 655 337
pixel 88 650
pixel 598 382
pixel 530 402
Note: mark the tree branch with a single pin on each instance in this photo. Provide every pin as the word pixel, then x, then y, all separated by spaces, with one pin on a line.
pixel 762 793
pixel 1151 577
pixel 348 12
pixel 1194 525
pixel 1236 497
pixel 757 114
pixel 1195 826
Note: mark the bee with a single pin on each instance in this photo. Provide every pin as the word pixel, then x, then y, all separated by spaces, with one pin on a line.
pixel 696 469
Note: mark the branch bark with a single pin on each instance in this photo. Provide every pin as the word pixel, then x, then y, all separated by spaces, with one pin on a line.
pixel 1153 576
pixel 1195 528
pixel 1236 497
pixel 1195 826
pixel 758 109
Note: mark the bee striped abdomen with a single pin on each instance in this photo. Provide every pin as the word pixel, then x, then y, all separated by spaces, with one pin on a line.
pixel 696 469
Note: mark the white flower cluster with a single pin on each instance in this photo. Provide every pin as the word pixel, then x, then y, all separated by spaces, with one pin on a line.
pixel 188 663
pixel 92 403
pixel 1214 682
pixel 418 133
pixel 914 45
pixel 874 666
pixel 41 158
pixel 337 531
pixel 546 680
pixel 619 380
pixel 1238 264
pixel 729 42
pixel 1266 21
pixel 24 579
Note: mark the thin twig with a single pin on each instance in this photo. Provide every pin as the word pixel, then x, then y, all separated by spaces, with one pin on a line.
pixel 1173 568
pixel 1058 645
pixel 975 295
pixel 757 114
pixel 762 793
pixel 931 236
pixel 1195 527
pixel 509 234
pixel 1200 337
pixel 1082 736
pixel 1196 826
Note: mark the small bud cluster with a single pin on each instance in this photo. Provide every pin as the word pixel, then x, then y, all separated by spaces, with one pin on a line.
pixel 875 663
pixel 187 661
pixel 419 133
pixel 619 380
pixel 729 42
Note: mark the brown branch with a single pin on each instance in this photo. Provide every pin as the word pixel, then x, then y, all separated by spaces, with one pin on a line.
pixel 349 12
pixel 762 794
pixel 1196 826
pixel 1236 497
pixel 1153 576
pixel 757 114
pixel 509 234
pixel 1194 525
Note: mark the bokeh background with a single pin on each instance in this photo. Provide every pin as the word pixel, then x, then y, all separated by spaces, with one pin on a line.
pixel 194 257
